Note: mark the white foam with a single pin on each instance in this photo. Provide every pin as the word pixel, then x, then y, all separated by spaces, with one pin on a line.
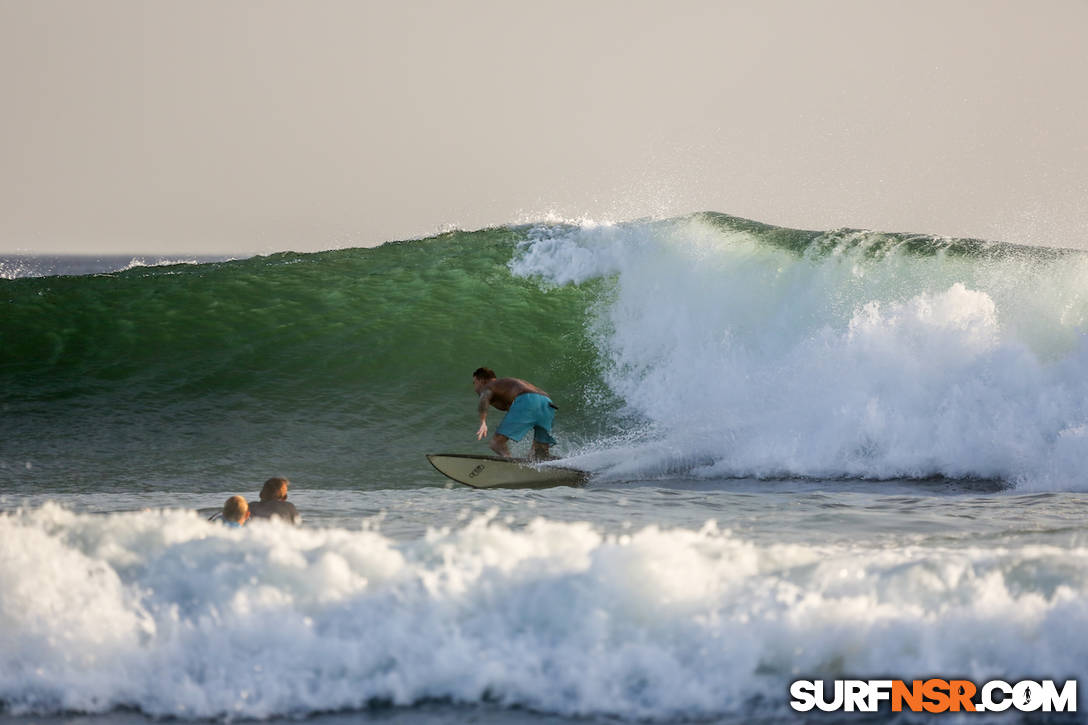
pixel 175 616
pixel 136 262
pixel 747 359
pixel 48 266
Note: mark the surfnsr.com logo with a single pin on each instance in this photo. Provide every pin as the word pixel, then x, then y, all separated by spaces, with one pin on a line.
pixel 933 695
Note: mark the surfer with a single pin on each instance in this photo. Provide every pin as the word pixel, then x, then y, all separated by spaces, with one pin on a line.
pixel 526 406
pixel 274 502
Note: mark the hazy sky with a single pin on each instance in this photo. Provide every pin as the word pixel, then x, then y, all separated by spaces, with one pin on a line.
pixel 224 127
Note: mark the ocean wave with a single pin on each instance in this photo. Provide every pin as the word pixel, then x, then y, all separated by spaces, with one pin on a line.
pixel 166 613
pixel 705 346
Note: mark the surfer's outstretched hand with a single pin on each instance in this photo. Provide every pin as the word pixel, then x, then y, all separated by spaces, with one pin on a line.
pixel 482 433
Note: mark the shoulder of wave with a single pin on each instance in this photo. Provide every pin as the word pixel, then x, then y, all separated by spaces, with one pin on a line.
pixel 920 243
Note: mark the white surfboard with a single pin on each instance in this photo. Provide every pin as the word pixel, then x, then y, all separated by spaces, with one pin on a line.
pixel 495 472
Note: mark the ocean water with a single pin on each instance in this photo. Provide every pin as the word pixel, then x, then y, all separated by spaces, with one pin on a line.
pixel 814 455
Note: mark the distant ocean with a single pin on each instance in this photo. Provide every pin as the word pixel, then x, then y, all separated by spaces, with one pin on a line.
pixel 818 455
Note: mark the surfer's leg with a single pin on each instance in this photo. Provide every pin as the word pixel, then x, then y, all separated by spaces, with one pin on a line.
pixel 542 435
pixel 499 445
pixel 540 451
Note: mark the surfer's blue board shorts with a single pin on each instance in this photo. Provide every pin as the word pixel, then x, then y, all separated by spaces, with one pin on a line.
pixel 529 410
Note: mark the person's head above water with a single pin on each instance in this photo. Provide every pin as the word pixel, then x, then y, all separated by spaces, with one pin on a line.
pixel 236 510
pixel 274 489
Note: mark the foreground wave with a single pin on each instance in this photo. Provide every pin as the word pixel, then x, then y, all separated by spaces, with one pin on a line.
pixel 165 613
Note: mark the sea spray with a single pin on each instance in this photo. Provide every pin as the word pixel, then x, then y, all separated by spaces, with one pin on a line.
pixel 840 355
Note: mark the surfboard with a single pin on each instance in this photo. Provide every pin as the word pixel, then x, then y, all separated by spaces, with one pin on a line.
pixel 495 472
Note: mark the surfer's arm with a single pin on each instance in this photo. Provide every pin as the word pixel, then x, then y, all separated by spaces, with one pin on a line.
pixel 485 400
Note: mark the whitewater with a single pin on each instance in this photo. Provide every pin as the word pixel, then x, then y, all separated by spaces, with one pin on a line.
pixel 862 356
pixel 814 455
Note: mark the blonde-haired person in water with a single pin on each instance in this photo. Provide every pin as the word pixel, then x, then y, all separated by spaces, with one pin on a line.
pixel 235 511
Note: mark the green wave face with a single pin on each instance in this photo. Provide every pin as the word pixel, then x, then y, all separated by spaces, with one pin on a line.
pixel 344 366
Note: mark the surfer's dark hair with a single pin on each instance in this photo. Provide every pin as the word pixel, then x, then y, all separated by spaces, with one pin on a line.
pixel 484 374
pixel 274 489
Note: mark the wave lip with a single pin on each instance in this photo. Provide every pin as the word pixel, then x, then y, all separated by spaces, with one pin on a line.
pixel 173 616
